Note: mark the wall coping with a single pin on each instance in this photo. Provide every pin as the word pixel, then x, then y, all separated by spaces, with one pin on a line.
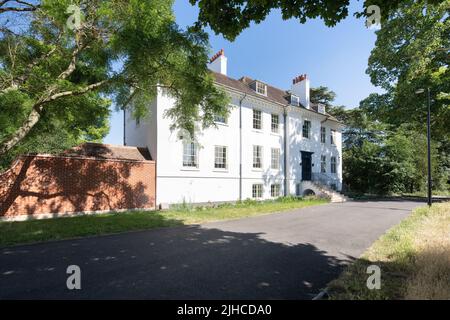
pixel 44 155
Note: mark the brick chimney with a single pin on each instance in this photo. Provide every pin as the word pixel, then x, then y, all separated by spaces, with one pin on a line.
pixel 300 88
pixel 218 63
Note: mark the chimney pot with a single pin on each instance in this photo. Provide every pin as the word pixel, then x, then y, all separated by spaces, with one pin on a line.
pixel 218 62
pixel 300 88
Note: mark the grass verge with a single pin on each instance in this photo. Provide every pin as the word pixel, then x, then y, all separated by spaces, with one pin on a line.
pixel 414 257
pixel 64 228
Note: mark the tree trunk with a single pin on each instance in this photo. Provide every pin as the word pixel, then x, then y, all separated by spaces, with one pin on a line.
pixel 20 133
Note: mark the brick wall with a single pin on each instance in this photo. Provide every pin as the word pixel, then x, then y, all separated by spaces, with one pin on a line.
pixel 52 184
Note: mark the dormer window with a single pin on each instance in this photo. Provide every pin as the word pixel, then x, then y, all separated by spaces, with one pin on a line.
pixel 261 88
pixel 321 108
pixel 295 101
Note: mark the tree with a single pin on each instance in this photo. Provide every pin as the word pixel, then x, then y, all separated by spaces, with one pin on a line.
pixel 322 95
pixel 381 158
pixel 60 66
pixel 230 17
pixel 412 52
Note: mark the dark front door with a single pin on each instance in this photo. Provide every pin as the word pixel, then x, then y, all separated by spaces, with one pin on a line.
pixel 306 166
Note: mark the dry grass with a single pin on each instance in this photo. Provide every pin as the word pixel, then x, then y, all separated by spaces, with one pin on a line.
pixel 414 257
pixel 431 278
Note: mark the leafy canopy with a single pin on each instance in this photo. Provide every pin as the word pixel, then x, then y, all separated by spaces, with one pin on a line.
pixel 412 52
pixel 55 79
pixel 231 17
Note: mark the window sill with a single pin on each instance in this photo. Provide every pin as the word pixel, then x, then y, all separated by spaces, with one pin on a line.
pixel 277 134
pixel 221 124
pixel 258 130
pixel 257 170
pixel 220 170
pixel 189 169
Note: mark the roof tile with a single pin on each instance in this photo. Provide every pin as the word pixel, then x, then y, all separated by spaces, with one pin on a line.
pixel 106 151
pixel 273 94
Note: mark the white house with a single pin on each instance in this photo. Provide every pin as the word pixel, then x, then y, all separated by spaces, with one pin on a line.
pixel 273 143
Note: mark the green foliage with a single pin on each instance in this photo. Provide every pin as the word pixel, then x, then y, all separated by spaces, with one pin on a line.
pixel 322 95
pixel 231 17
pixel 385 138
pixel 123 53
pixel 388 161
pixel 412 52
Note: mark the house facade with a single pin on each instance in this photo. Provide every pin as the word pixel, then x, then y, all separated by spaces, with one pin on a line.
pixel 273 143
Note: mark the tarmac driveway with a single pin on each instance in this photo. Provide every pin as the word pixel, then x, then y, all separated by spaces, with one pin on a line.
pixel 290 255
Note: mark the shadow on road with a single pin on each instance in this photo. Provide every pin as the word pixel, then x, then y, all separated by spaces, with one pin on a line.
pixel 175 263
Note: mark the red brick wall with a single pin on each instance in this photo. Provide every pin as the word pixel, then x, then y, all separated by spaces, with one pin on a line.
pixel 50 184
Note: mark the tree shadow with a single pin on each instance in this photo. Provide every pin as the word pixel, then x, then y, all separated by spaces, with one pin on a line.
pixel 65 184
pixel 192 262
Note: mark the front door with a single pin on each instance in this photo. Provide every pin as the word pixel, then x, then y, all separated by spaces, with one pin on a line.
pixel 306 166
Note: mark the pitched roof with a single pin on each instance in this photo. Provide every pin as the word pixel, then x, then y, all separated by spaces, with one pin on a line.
pixel 273 94
pixel 107 151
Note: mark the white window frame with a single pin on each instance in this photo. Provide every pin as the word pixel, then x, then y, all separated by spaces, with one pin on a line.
pixel 218 120
pixel 255 157
pixel 275 158
pixel 275 126
pixel 223 154
pixel 257 190
pixel 255 119
pixel 261 88
pixel 333 137
pixel 323 134
pixel 275 187
pixel 333 165
pixel 295 100
pixel 323 164
pixel 195 163
pixel 309 129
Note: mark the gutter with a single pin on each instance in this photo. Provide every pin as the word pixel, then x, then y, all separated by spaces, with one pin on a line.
pixel 286 148
pixel 124 130
pixel 240 146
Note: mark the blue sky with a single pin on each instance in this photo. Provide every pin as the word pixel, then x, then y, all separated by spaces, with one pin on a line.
pixel 276 51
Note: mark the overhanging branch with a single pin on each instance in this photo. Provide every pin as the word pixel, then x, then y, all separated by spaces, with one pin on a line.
pixel 19 6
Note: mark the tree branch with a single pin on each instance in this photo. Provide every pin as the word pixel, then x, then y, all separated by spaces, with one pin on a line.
pixel 73 61
pixel 59 95
pixel 35 115
pixel 27 7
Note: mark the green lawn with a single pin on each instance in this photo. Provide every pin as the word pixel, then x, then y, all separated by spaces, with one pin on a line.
pixel 414 258
pixel 64 228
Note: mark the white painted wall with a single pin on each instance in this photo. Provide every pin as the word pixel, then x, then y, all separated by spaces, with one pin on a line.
pixel 302 90
pixel 176 184
pixel 219 65
pixel 143 132
pixel 297 144
pixel 267 140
